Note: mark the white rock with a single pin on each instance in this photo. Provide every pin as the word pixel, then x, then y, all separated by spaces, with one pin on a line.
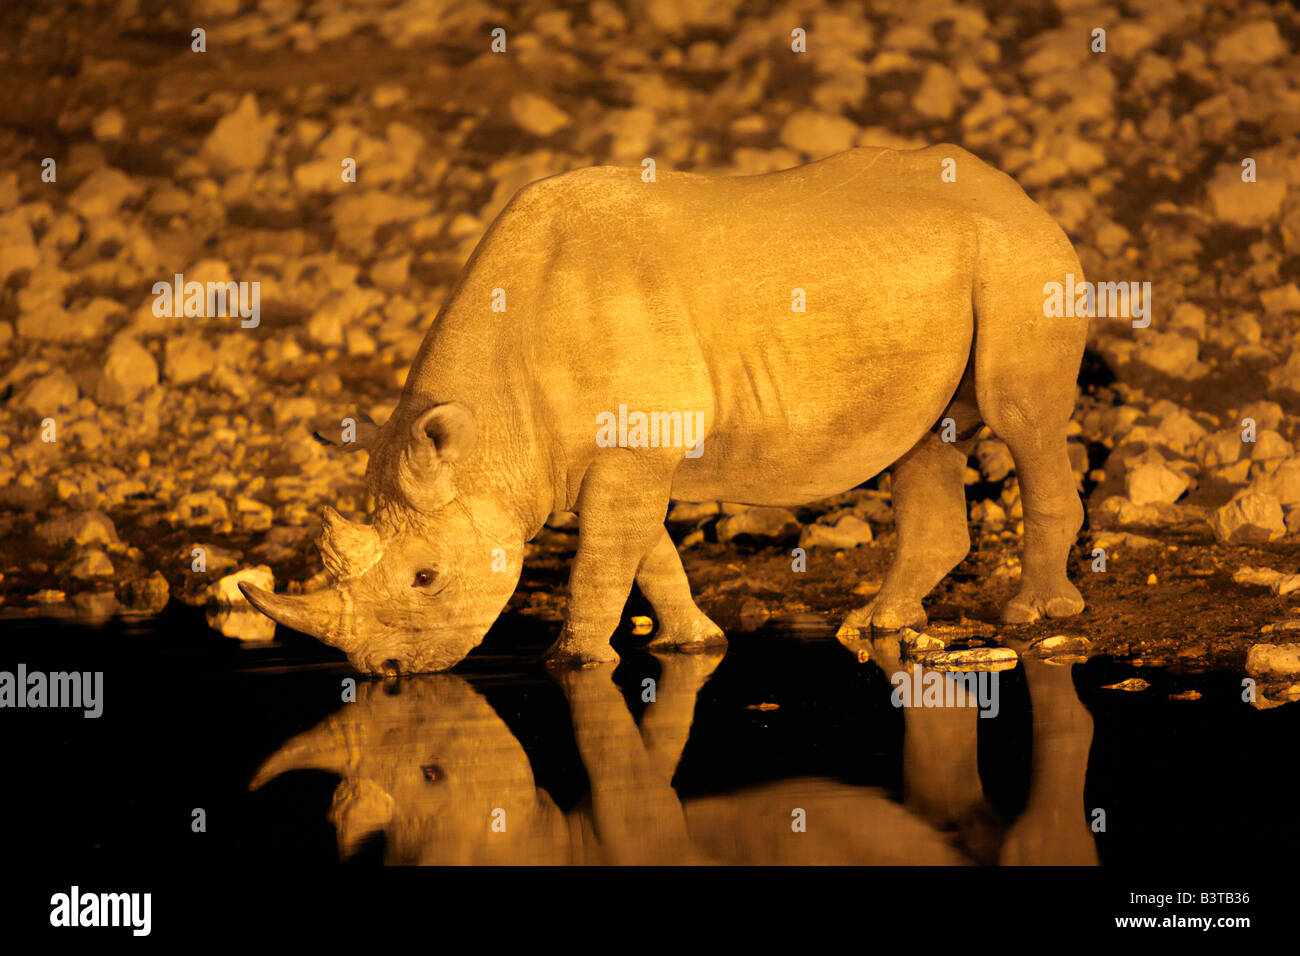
pixel 1281 300
pixel 1273 660
pixel 89 321
pixel 1220 448
pixel 936 97
pixel 50 393
pixel 1168 352
pixel 994 458
pixel 759 523
pixel 1252 45
pixel 187 358
pixel 1264 414
pixel 104 192
pixel 85 527
pixel 1152 483
pixel 1251 517
pixel 1276 581
pixel 1268 445
pixel 537 115
pixel 128 371
pixel 109 125
pixel 17 247
pixel 1244 204
pixel 848 531
pixel 818 134
pixel 92 563
pixel 1282 481
pixel 241 138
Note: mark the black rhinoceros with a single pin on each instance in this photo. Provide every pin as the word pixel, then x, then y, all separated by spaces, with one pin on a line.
pixel 616 344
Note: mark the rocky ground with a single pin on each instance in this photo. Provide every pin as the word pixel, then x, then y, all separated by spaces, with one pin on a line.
pixel 147 458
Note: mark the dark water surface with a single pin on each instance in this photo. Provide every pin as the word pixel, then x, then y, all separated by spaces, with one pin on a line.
pixel 502 762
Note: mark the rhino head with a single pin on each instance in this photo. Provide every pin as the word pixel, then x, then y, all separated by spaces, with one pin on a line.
pixel 417 588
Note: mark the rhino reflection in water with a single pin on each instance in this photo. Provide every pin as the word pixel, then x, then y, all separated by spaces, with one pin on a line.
pixel 429 763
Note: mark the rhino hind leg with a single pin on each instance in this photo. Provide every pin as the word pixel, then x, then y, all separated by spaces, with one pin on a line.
pixel 681 625
pixel 930 517
pixel 1026 368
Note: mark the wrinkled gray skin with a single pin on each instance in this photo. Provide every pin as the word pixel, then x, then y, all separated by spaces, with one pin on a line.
pixel 924 301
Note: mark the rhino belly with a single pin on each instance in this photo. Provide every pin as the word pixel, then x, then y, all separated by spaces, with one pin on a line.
pixel 795 427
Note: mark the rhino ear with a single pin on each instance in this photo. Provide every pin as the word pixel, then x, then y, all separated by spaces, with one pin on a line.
pixel 448 431
pixel 440 436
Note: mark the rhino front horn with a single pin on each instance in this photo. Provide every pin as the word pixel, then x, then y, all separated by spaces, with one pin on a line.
pixel 319 614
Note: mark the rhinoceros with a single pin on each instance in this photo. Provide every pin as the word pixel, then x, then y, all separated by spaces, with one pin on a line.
pixel 786 336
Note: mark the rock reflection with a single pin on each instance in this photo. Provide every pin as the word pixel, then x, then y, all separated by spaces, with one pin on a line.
pixel 429 763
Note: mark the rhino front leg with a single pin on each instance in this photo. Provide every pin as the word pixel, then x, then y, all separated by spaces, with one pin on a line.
pixel 682 626
pixel 621 510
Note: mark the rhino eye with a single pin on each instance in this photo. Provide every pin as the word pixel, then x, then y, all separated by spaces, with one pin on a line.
pixel 423 578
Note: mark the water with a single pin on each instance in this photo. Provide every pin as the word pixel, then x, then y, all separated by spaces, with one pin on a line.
pixel 500 762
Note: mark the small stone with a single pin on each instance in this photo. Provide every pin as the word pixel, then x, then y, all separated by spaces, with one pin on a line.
pixel 994 458
pixel 129 369
pixel 937 96
pixel 1251 517
pixel 187 358
pixel 93 563
pixel 147 595
pixel 49 393
pixel 1282 481
pixel 1269 445
pixel 109 125
pixel 1133 684
pixel 1252 45
pixel 1281 300
pixel 818 134
pixel 971 659
pixel 104 192
pixel 225 592
pixel 1115 540
pixel 1245 204
pixel 17 246
pixel 537 115
pixel 848 531
pixel 241 138
pixel 1154 483
pixel 769 523
pixel 1273 660
pixel 201 508
pixel 86 527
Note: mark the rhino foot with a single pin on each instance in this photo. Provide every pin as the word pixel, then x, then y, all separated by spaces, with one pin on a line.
pixel 1032 604
pixel 691 634
pixel 572 651
pixel 883 614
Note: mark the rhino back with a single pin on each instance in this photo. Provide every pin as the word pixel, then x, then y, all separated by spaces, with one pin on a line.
pixel 681 295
